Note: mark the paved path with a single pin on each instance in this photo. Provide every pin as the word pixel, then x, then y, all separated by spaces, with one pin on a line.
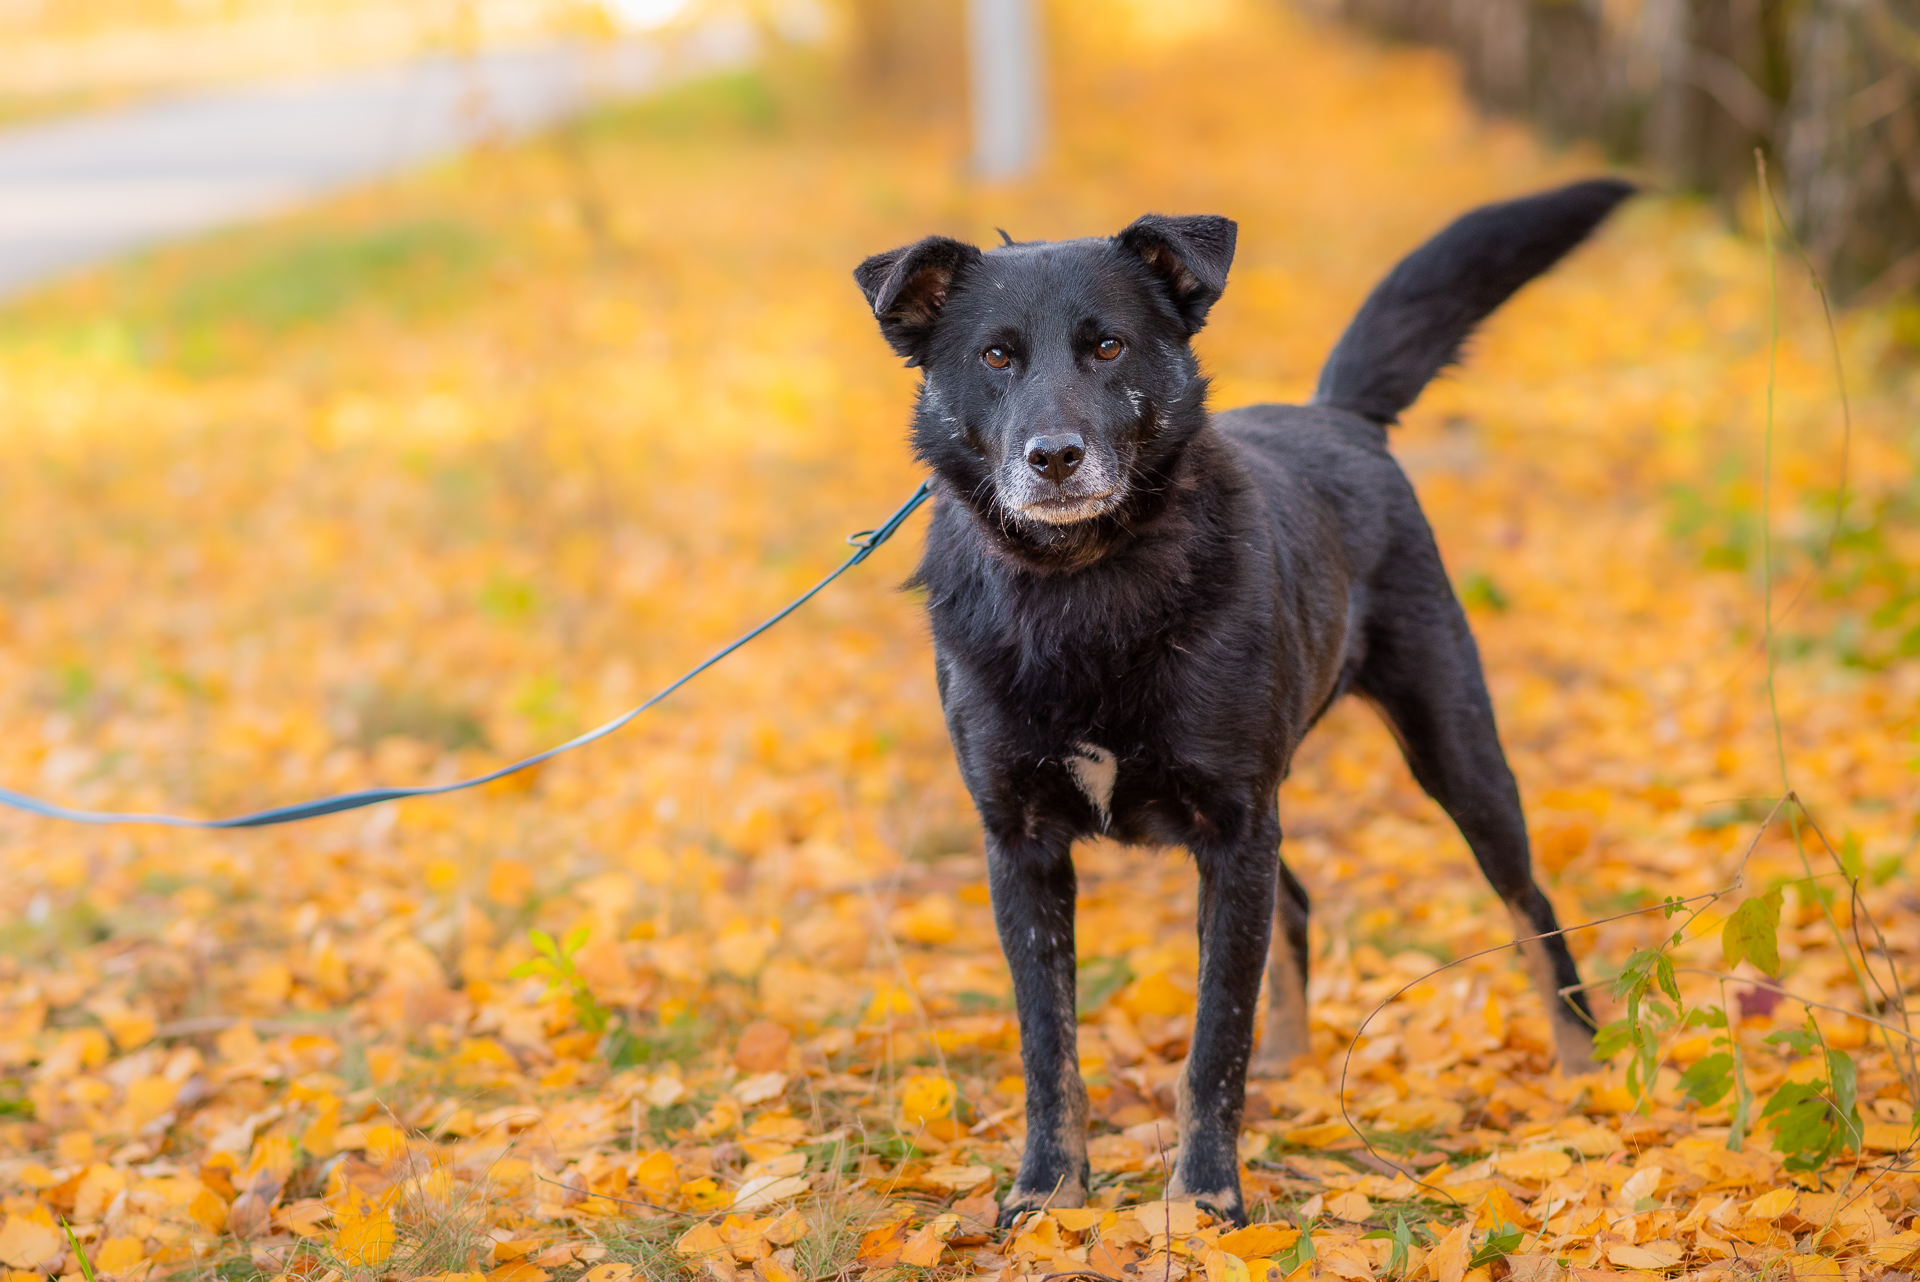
pixel 78 191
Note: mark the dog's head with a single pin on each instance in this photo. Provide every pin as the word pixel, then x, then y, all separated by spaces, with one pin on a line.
pixel 1060 383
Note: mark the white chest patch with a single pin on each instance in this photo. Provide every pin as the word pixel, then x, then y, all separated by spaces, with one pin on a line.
pixel 1094 769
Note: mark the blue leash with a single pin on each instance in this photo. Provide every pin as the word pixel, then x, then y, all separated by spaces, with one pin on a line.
pixel 864 542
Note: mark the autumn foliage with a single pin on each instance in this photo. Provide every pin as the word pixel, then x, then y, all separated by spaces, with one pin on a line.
pixel 448 471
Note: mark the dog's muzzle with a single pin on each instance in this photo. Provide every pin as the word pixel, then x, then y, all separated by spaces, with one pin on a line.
pixel 1063 509
pixel 1057 480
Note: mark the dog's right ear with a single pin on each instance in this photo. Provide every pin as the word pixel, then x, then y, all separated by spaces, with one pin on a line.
pixel 907 287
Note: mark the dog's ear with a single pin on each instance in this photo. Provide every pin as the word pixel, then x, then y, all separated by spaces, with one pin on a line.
pixel 907 287
pixel 1190 256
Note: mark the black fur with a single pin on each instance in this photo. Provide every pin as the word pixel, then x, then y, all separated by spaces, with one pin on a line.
pixel 1412 325
pixel 1140 609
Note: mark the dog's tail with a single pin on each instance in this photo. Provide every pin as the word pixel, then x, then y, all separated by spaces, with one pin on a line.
pixel 1413 324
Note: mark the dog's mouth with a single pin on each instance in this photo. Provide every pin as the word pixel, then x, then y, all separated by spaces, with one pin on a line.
pixel 1068 509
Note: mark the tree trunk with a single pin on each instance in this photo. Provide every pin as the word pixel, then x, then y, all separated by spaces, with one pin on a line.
pixel 906 53
pixel 1850 142
pixel 1691 87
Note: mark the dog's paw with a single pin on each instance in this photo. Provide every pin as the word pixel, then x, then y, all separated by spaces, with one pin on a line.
pixel 1221 1208
pixel 1220 1203
pixel 1223 1205
pixel 1065 1195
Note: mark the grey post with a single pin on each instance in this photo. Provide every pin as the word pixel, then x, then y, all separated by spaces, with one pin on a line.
pixel 1008 118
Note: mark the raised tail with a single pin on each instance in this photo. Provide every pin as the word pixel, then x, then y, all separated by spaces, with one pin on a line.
pixel 1413 324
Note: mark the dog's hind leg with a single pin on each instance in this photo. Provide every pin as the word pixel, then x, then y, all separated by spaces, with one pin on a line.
pixel 1238 871
pixel 1033 886
pixel 1422 671
pixel 1287 1033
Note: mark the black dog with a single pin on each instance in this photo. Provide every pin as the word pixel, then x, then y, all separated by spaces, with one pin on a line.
pixel 1139 609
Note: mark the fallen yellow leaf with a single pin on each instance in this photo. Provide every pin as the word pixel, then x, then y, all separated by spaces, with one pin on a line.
pixel 365 1241
pixel 925 1099
pixel 1352 1207
pixel 1534 1165
pixel 1222 1267
pixel 1258 1239
pixel 700 1241
pixel 1322 1135
pixel 116 1255
pixel 1450 1255
pixel 26 1244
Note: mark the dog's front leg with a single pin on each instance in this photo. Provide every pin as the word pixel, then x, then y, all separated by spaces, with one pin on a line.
pixel 1237 884
pixel 1033 887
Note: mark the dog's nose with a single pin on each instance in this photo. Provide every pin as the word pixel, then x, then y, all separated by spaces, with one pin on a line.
pixel 1055 457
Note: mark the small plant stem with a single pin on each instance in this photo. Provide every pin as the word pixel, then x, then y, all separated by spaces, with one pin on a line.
pixel 1742 1097
pixel 1839 373
pixel 1893 1029
pixel 79 1252
pixel 1766 471
pixel 1766 577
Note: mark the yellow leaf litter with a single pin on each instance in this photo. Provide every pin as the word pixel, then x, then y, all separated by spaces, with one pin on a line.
pixel 617 398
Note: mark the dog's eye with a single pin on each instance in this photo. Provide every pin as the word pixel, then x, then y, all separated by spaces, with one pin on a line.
pixel 996 357
pixel 1108 348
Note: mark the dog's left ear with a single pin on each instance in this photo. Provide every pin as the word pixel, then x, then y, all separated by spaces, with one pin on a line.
pixel 907 288
pixel 1190 255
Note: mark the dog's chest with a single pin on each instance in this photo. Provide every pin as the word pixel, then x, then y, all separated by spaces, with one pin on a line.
pixel 1142 794
pixel 1095 770
pixel 1119 730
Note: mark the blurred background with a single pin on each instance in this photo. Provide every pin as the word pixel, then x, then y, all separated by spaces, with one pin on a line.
pixel 1687 88
pixel 1691 88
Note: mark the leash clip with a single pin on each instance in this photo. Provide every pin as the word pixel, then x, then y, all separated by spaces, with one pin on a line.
pixel 868 540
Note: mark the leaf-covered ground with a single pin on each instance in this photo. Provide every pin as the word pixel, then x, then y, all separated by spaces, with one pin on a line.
pixel 448 471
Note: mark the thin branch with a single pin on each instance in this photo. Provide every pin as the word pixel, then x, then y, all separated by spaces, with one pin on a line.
pixel 1772 987
pixel 1347 1062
